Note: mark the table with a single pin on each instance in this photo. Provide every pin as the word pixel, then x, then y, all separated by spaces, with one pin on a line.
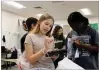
pixel 9 60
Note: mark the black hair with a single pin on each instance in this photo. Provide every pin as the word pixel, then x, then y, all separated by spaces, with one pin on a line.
pixel 76 17
pixel 56 29
pixel 31 21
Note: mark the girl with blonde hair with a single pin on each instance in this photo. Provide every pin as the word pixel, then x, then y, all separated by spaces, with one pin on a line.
pixel 37 43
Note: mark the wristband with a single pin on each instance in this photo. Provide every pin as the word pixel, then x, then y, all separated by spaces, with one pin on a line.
pixel 43 51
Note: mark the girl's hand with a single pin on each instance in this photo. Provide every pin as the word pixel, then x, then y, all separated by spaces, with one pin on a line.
pixel 48 42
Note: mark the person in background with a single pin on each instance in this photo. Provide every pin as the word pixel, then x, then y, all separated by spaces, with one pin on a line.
pixel 37 43
pixel 59 43
pixel 27 26
pixel 24 25
pixel 84 40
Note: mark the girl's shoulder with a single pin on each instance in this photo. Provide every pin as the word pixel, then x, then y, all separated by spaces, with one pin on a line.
pixel 31 35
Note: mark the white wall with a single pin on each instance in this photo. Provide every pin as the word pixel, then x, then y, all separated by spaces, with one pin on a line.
pixel 94 20
pixel 10 29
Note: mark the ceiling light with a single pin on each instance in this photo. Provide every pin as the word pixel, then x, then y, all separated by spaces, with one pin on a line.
pixel 86 11
pixel 15 4
pixel 38 7
pixel 39 15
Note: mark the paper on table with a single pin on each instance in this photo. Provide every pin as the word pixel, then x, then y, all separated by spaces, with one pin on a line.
pixel 67 64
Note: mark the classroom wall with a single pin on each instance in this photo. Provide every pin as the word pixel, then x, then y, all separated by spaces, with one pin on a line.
pixel 10 28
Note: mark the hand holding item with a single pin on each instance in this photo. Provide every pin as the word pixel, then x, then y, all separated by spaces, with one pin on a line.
pixel 78 43
pixel 49 41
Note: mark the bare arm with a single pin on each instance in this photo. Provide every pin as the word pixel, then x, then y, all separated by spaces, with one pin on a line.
pixel 31 57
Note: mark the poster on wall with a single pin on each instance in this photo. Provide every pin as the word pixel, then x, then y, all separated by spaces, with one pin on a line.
pixel 95 26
